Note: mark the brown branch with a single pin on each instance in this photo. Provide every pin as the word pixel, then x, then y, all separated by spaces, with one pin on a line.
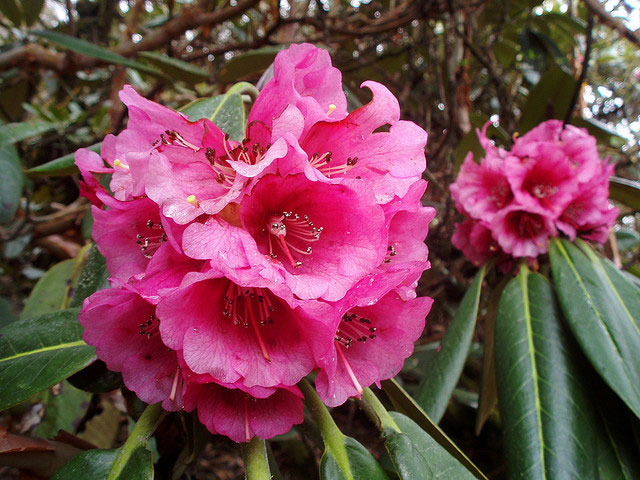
pixel 613 23
pixel 189 18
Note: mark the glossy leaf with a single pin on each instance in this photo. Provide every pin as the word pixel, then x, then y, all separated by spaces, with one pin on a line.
pixel 64 407
pixel 93 277
pixel 62 166
pixel 31 10
pixel 444 370
pixel 244 64
pixel 551 96
pixel 625 191
pixel 16 132
pixel 226 111
pixel 602 308
pixel 11 182
pixel 38 352
pixel 139 466
pixel 545 411
pixel 362 465
pixel 48 294
pixel 175 68
pixel 93 464
pixel 92 50
pixel 416 455
pixel 405 404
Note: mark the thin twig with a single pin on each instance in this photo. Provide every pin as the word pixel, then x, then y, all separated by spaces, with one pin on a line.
pixel 583 71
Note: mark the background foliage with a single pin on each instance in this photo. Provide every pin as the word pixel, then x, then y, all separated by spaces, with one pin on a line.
pixel 452 64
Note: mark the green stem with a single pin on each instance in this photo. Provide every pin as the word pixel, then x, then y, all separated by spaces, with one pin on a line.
pixel 256 462
pixel 376 411
pixel 333 438
pixel 140 434
pixel 244 88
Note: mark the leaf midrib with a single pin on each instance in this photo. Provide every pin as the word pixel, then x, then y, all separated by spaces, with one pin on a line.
pixel 59 346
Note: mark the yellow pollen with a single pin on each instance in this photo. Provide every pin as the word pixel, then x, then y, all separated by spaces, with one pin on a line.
pixel 332 107
pixel 192 200
pixel 118 163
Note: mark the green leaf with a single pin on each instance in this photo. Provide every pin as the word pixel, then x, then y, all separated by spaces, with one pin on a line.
pixel 244 64
pixel 31 10
pixel 442 375
pixel 60 166
pixel 11 10
pixel 92 50
pixel 602 308
pixel 226 111
pixel 11 182
pixel 625 191
pixel 468 143
pixel 93 277
pixel 617 448
pixel 93 464
pixel 550 98
pixel 7 314
pixel 64 407
pixel 256 461
pixel 49 293
pixel 416 455
pixel 39 352
pixel 362 464
pixel 134 460
pixel 548 422
pixel 175 68
pixel 16 132
pixel 406 405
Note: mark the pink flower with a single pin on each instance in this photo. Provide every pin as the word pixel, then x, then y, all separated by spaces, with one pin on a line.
pixel 371 143
pixel 375 329
pixel 474 238
pixel 238 331
pixel 523 231
pixel 482 189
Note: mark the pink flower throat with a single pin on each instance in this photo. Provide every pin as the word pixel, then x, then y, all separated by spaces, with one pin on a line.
pixel 292 232
pixel 354 327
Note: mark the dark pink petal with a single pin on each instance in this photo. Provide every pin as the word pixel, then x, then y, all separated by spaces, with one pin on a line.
pixel 523 231
pixel 475 240
pixel 303 77
pixel 323 238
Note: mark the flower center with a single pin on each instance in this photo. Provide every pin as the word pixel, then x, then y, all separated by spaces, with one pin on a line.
pixel 249 307
pixel 151 239
pixel 391 252
pixel 354 327
pixel 528 226
pixel 240 153
pixel 292 233
pixel 150 327
pixel 542 190
pixel 322 162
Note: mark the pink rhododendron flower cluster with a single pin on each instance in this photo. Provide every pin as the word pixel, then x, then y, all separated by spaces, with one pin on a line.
pixel 551 182
pixel 237 268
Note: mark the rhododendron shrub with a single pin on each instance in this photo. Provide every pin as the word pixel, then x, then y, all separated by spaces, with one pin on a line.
pixel 238 268
pixel 552 182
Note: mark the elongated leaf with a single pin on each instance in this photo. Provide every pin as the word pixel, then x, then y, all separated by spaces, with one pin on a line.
pixel 48 294
pixel 625 191
pixel 16 132
pixel 89 464
pixel 552 95
pixel 226 111
pixel 597 308
pixel 548 423
pixel 240 66
pixel 11 182
pixel 38 352
pixel 405 404
pixel 175 68
pixel 93 277
pixel 60 166
pixel 440 379
pixel 362 464
pixel 31 10
pixel 138 466
pixel 416 455
pixel 92 50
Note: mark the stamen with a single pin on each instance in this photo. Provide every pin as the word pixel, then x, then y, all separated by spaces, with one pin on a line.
pixel 247 433
pixel 150 327
pixel 352 376
pixel 118 163
pixel 193 200
pixel 174 387
pixel 332 107
pixel 292 233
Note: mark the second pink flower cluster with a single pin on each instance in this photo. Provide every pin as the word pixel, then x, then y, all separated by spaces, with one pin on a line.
pixel 237 268
pixel 552 181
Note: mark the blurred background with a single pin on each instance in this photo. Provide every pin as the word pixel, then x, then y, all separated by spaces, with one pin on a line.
pixel 454 65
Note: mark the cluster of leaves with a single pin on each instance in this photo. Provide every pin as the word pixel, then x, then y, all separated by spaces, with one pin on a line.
pixel 567 375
